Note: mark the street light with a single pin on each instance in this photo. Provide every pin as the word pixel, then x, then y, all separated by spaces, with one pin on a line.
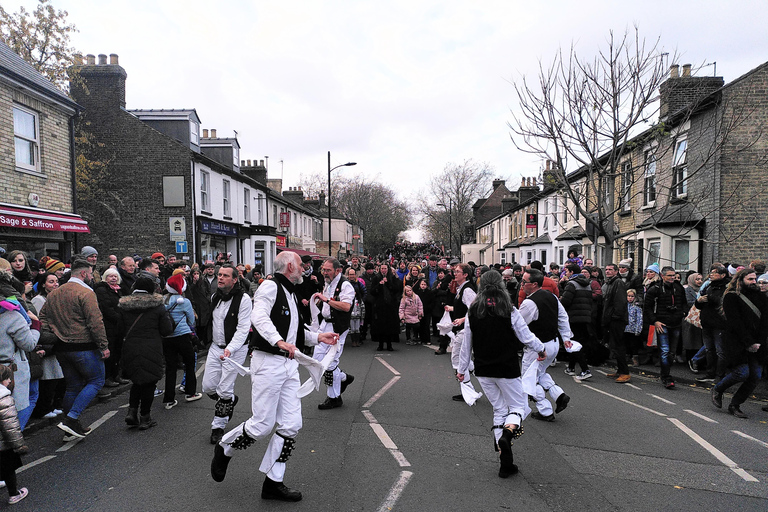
pixel 348 164
pixel 450 223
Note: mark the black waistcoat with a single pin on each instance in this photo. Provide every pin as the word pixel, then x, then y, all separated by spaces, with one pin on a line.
pixel 339 319
pixel 280 315
pixel 545 327
pixel 495 346
pixel 232 318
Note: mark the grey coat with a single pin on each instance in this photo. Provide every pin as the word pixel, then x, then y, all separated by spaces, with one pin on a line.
pixel 16 338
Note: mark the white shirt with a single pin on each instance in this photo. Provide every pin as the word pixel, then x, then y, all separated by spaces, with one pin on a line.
pixel 263 302
pixel 469 296
pixel 346 294
pixel 243 324
pixel 531 313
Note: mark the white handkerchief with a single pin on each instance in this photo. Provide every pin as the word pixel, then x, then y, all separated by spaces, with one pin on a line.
pixel 316 369
pixel 575 347
pixel 445 325
pixel 531 378
pixel 242 370
pixel 468 392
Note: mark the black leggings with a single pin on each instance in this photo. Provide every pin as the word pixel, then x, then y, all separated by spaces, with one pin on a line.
pixel 9 463
pixel 141 397
pixel 172 348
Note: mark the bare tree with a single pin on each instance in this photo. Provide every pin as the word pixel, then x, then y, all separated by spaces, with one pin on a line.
pixel 42 39
pixel 445 207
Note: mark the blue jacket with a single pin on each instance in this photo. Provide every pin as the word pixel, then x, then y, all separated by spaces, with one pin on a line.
pixel 635 324
pixel 183 315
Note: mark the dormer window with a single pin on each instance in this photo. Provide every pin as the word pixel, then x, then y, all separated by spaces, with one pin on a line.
pixel 194 133
pixel 235 156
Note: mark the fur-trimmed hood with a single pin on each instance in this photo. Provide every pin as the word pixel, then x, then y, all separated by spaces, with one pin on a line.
pixel 140 301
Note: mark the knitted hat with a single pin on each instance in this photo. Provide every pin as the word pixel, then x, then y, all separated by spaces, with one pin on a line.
pixel 178 271
pixel 763 278
pixel 653 267
pixel 626 263
pixel 53 265
pixel 88 251
pixel 176 284
pixel 157 255
pixel 306 258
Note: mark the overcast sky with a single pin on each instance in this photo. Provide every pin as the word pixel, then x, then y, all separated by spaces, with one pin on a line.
pixel 400 87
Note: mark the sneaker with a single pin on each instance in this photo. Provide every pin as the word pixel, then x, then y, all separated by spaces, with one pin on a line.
pixel 569 371
pixel 158 392
pixel 670 384
pixel 553 363
pixel 170 405
pixel 585 375
pixel 51 414
pixel 181 389
pixel 192 398
pixel 109 383
pixel 57 411
pixel 104 393
pixel 73 427
pixel 23 493
pixel 706 379
pixel 692 366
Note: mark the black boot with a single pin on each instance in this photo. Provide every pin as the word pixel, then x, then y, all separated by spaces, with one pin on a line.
pixel 331 403
pixel 132 418
pixel 146 422
pixel 219 464
pixel 216 435
pixel 345 383
pixel 272 490
pixel 508 467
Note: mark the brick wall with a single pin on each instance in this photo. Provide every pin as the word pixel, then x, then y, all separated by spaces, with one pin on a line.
pixel 55 188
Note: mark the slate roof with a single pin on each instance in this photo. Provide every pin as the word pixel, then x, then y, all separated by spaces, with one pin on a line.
pixel 17 68
pixel 575 233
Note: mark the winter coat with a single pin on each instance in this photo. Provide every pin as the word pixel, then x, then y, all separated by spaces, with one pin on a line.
pixel 386 301
pixel 711 309
pixel 17 338
pixel 441 297
pixel 666 304
pixel 181 312
pixel 108 300
pixel 411 309
pixel 577 300
pixel 744 327
pixel 142 359
pixel 427 300
pixel 12 438
pixel 549 284
pixel 614 301
pixel 634 318
pixel 202 293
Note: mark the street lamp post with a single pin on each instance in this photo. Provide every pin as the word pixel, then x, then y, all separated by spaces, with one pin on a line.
pixel 450 223
pixel 330 253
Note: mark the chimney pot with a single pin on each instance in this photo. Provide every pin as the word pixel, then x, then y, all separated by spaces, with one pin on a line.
pixel 686 70
pixel 299 187
pixel 674 71
pixel 205 133
pixel 523 183
pixel 534 182
pixel 242 163
pixel 213 133
pixel 102 59
pixel 113 59
pixel 249 163
pixel 261 163
pixel 90 59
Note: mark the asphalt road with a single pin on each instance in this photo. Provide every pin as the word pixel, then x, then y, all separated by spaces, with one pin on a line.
pixel 400 443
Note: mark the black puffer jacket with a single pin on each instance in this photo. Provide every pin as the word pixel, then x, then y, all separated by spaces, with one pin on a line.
pixel 712 309
pixel 142 359
pixel 577 300
pixel 666 304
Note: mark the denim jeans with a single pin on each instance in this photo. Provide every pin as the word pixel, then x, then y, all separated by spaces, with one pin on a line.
pixel 713 341
pixel 749 373
pixel 668 341
pixel 34 392
pixel 84 377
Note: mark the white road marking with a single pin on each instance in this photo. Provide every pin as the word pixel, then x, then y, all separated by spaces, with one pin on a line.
pixel 714 451
pixel 386 440
pixel 395 492
pixel 701 416
pixel 381 392
pixel 657 397
pixel 627 401
pixel 387 365
pixel 93 426
pixel 601 371
pixel 633 386
pixel 35 463
pixel 199 372
pixel 745 436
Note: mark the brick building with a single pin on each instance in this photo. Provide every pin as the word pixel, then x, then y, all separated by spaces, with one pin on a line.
pixel 37 203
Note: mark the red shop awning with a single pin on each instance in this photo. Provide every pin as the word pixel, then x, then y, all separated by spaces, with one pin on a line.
pixel 12 216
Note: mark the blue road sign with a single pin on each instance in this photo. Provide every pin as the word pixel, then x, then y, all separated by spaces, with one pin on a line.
pixel 181 247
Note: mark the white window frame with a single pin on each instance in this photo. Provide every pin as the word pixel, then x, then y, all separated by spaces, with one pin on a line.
pixel 225 198
pixel 205 185
pixel 194 133
pixel 35 141
pixel 246 205
pixel 649 178
pixel 680 169
pixel 259 209
pixel 626 186
pixel 235 156
pixel 674 255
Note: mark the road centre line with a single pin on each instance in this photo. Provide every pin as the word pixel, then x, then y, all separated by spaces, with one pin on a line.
pixel 386 440
pixel 714 451
pixel 395 492
pixel 387 365
pixel 701 416
pixel 657 397
pixel 35 463
pixel 632 386
pixel 746 436
pixel 93 426
pixel 626 401
pixel 381 392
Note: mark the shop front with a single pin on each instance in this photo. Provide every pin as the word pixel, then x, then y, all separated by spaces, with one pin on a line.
pixel 39 232
pixel 216 238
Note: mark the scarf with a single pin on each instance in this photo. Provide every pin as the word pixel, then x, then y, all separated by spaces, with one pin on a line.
pixel 115 287
pixel 281 279
pixel 224 297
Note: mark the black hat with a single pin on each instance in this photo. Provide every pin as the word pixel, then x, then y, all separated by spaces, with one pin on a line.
pixel 306 258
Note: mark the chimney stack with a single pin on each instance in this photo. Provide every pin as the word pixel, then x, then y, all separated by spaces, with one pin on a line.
pixel 213 133
pixel 100 87
pixel 674 71
pixel 686 70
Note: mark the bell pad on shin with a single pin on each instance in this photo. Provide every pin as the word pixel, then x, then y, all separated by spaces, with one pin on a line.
pixel 288 445
pixel 242 441
pixel 328 377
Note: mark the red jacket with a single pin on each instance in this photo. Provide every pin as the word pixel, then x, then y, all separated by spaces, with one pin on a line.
pixel 549 284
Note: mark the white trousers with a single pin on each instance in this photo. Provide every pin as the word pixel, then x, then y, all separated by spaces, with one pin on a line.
pixel 219 377
pixel 319 353
pixel 274 400
pixel 456 343
pixel 510 405
pixel 545 383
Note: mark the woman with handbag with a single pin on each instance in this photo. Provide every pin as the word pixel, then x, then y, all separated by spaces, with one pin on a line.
pixel 146 322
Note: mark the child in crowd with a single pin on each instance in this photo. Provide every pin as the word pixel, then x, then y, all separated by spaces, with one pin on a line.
pixel 12 443
pixel 411 313
pixel 634 326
